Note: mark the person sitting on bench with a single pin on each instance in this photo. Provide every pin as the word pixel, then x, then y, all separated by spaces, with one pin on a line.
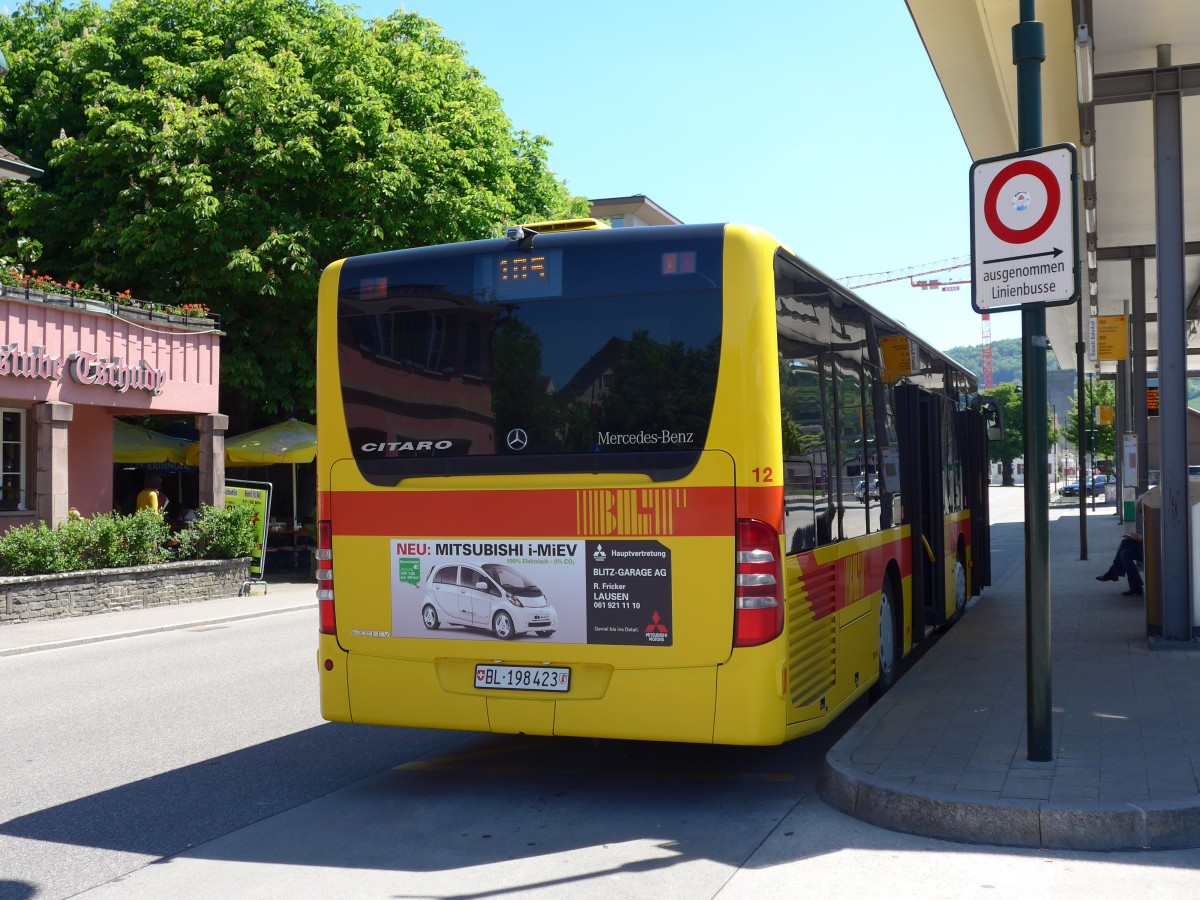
pixel 1129 554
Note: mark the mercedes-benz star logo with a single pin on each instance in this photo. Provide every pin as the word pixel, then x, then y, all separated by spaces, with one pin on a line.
pixel 517 439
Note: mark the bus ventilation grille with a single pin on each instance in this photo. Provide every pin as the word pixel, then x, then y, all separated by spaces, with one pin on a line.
pixel 812 637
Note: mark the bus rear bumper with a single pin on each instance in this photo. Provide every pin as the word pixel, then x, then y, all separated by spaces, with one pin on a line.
pixel 666 704
pixel 332 673
pixel 750 697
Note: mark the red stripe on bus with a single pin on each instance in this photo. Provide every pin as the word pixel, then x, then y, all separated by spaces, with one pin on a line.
pixel 856 575
pixel 588 512
pixel 762 503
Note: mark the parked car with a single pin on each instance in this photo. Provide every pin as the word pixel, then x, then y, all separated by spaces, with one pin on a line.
pixel 1095 486
pixel 491 596
pixel 860 492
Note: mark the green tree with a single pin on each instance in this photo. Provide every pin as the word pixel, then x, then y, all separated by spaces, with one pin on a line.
pixel 1096 393
pixel 223 152
pixel 1012 445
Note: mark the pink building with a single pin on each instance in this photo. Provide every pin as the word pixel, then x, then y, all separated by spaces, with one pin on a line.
pixel 67 367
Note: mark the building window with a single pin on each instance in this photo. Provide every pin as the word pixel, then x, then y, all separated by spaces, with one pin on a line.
pixel 12 459
pixel 617 221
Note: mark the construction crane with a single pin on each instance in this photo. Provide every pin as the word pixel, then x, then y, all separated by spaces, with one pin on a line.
pixel 915 274
pixel 945 265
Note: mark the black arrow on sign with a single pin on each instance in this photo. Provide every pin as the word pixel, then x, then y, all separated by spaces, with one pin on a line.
pixel 1055 252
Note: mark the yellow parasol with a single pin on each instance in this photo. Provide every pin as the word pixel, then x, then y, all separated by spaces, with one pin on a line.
pixel 134 444
pixel 291 442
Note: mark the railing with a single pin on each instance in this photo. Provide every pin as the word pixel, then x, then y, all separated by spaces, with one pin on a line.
pixel 114 306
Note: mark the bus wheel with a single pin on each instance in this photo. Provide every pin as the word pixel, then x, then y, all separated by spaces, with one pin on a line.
pixel 889 643
pixel 960 581
pixel 503 626
pixel 430 617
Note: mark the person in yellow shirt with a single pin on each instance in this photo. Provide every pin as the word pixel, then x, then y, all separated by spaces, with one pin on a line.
pixel 150 496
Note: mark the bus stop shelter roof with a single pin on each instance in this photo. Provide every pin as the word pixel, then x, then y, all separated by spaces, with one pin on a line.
pixel 970 46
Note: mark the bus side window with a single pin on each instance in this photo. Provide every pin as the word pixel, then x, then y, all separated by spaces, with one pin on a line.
pixel 809 506
pixel 809 503
pixel 799 516
pixel 853 451
pixel 808 518
pixel 873 489
pixel 806 388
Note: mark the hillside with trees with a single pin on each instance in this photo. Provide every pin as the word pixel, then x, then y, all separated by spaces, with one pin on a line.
pixel 1006 360
pixel 1006 365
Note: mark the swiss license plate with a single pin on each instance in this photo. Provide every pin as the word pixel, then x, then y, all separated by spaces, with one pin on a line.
pixel 522 678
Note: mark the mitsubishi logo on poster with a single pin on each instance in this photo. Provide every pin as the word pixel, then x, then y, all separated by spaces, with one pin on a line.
pixel 1024 230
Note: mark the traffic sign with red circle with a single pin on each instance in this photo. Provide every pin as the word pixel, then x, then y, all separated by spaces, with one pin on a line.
pixel 1024 230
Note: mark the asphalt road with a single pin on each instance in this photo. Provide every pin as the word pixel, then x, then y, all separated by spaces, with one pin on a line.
pixel 194 764
pixel 117 754
pixel 125 753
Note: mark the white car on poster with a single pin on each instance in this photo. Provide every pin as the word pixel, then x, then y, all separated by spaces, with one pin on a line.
pixel 491 596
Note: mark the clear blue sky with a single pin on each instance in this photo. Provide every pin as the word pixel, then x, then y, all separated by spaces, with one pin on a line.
pixel 822 122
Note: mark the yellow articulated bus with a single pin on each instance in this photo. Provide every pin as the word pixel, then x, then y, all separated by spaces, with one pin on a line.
pixel 664 483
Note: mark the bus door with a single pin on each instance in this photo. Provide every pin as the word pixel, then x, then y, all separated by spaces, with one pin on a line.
pixel 919 428
pixel 972 431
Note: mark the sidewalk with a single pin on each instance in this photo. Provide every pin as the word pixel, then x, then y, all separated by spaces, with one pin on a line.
pixel 944 753
pixel 280 596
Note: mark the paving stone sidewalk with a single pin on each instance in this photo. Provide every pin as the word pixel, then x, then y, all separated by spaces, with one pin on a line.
pixel 945 753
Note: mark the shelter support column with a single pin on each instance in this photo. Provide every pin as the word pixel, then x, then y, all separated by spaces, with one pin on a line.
pixel 1122 423
pixel 53 472
pixel 212 428
pixel 1137 272
pixel 1175 546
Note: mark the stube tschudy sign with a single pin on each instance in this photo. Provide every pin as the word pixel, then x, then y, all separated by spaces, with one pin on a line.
pixel 1024 231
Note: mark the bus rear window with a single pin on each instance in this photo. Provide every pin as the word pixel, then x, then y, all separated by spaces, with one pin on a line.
pixel 476 358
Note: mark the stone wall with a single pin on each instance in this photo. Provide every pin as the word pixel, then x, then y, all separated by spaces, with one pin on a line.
pixel 40 597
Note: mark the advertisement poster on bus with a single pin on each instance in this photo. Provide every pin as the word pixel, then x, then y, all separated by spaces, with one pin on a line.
pixel 551 589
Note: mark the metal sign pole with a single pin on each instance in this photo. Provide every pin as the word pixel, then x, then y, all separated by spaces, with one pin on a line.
pixel 1029 51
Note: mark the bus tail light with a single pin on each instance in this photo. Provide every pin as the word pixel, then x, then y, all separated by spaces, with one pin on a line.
pixel 325 577
pixel 758 607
